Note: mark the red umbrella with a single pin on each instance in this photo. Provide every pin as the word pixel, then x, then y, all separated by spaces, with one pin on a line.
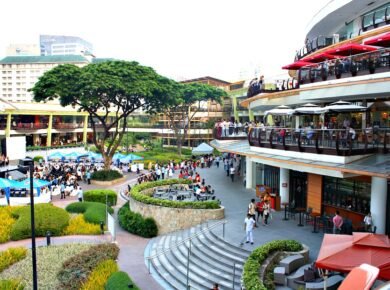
pixel 379 40
pixel 344 252
pixel 297 65
pixel 320 57
pixel 351 49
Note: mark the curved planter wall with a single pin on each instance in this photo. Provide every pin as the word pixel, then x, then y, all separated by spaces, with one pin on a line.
pixel 170 219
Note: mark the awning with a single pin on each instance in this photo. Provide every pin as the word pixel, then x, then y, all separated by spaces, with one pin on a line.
pixel 342 106
pixel 203 149
pixel 379 40
pixel 351 49
pixel 280 111
pixel 320 57
pixel 297 65
pixel 309 109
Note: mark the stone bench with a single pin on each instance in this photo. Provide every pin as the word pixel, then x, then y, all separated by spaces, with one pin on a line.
pixel 291 263
pixel 298 275
pixel 332 283
pixel 279 276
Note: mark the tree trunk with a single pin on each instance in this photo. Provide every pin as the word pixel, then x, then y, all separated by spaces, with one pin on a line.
pixel 107 161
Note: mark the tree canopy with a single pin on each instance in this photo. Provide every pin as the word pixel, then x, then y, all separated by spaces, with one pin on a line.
pixel 109 92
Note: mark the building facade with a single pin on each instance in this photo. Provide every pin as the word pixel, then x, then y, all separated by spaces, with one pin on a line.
pixel 318 154
pixel 64 45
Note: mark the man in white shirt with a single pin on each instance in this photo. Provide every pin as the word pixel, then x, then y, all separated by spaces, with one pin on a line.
pixel 232 172
pixel 249 224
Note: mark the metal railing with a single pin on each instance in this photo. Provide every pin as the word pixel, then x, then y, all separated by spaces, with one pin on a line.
pixel 184 241
pixel 68 125
pixel 28 126
pixel 227 132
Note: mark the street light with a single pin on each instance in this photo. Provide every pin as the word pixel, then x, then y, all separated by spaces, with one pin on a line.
pixel 29 163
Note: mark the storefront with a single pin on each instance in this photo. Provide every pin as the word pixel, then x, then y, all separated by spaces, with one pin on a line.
pixel 298 188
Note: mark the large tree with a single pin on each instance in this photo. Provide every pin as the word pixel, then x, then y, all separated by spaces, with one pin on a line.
pixel 108 92
pixel 187 101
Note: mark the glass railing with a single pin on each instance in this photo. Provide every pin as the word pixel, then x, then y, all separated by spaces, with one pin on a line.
pixel 376 18
pixel 227 132
pixel 343 142
pixel 361 64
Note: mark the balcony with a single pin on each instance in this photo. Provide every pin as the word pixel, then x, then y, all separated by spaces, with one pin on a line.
pixel 70 126
pixel 28 126
pixel 351 66
pixel 322 141
pixel 230 133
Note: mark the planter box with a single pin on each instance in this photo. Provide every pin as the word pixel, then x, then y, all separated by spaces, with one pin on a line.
pixel 108 183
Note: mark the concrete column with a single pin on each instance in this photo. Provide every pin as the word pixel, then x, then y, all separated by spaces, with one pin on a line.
pixel 249 173
pixel 251 115
pixel 49 127
pixel 378 203
pixel 85 129
pixel 284 181
pixel 8 127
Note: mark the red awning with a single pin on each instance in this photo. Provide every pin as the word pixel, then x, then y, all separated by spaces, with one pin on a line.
pixel 297 65
pixel 320 57
pixel 379 40
pixel 351 49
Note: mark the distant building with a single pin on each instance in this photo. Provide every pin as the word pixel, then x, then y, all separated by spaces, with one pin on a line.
pixel 20 73
pixel 64 45
pixel 16 49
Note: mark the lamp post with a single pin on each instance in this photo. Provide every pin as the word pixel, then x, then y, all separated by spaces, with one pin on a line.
pixel 33 246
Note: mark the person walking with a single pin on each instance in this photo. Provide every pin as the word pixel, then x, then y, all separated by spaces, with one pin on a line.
pixel 80 194
pixel 337 223
pixel 217 159
pixel 232 173
pixel 252 209
pixel 88 177
pixel 259 209
pixel 266 212
pixel 368 222
pixel 249 223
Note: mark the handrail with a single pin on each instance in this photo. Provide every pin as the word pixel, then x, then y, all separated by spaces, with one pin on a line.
pixel 190 238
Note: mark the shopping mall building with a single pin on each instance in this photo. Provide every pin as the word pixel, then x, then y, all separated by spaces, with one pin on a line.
pixel 321 141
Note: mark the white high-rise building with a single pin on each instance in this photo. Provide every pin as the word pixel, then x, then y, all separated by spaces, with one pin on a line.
pixel 64 45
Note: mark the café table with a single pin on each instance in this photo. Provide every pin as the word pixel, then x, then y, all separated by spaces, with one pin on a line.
pixel 285 204
pixel 315 215
pixel 300 210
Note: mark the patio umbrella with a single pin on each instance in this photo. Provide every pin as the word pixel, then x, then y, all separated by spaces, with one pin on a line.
pixel 342 106
pixel 37 184
pixel 118 156
pixel 362 277
pixel 297 65
pixel 72 156
pixel 280 111
pixel 344 252
pixel 95 156
pixel 130 158
pixel 351 49
pixel 320 57
pixel 56 156
pixel 379 40
pixel 6 184
pixel 309 109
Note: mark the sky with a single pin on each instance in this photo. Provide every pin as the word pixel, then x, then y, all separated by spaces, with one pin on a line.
pixel 181 39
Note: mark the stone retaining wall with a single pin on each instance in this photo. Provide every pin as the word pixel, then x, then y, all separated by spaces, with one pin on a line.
pixel 172 219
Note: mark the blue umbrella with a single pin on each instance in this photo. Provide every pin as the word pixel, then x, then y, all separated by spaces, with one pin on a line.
pixel 95 156
pixel 6 184
pixel 56 155
pixel 37 184
pixel 118 156
pixel 130 158
pixel 75 155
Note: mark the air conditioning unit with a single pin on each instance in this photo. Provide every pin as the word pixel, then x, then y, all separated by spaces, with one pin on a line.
pixel 336 38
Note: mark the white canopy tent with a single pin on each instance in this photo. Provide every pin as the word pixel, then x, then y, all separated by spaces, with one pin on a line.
pixel 309 109
pixel 280 111
pixel 342 106
pixel 202 149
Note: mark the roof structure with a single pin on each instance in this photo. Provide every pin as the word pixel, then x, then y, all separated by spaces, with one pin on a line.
pixel 44 59
pixel 206 78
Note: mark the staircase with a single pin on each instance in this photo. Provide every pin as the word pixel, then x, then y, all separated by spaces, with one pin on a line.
pixel 211 259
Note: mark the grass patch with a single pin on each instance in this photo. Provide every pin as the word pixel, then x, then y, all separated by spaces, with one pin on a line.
pixel 119 281
pixel 49 263
pixel 164 155
pixel 47 218
pixel 11 285
pixel 94 212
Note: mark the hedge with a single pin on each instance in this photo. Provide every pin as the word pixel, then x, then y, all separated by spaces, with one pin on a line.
pixel 99 195
pixel 10 285
pixel 252 265
pixel 135 223
pixel 119 281
pixel 78 226
pixel 11 256
pixel 106 175
pixel 47 218
pixel 136 193
pixel 7 221
pixel 99 276
pixel 76 269
pixel 94 212
pixel 32 148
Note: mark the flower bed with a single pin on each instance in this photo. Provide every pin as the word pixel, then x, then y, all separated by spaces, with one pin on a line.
pixel 99 276
pixel 94 212
pixel 141 194
pixel 78 226
pixel 7 221
pixel 134 223
pixel 49 263
pixel 11 256
pixel 252 265
pixel 47 218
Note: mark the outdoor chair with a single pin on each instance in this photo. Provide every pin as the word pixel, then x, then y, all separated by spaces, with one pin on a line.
pixel 291 212
pixel 308 217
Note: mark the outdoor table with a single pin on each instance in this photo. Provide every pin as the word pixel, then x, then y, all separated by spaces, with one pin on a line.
pixel 285 204
pixel 315 215
pixel 300 210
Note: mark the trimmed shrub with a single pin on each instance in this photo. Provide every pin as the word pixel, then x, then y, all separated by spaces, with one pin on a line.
pixel 76 269
pixel 10 285
pixel 106 175
pixel 137 194
pixel 252 265
pixel 6 223
pixel 134 223
pixel 11 256
pixel 78 226
pixel 119 281
pixel 99 195
pixel 94 212
pixel 99 276
pixel 47 218
pixel 38 158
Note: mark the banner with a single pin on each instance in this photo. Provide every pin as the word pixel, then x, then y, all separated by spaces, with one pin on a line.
pixel 111 226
